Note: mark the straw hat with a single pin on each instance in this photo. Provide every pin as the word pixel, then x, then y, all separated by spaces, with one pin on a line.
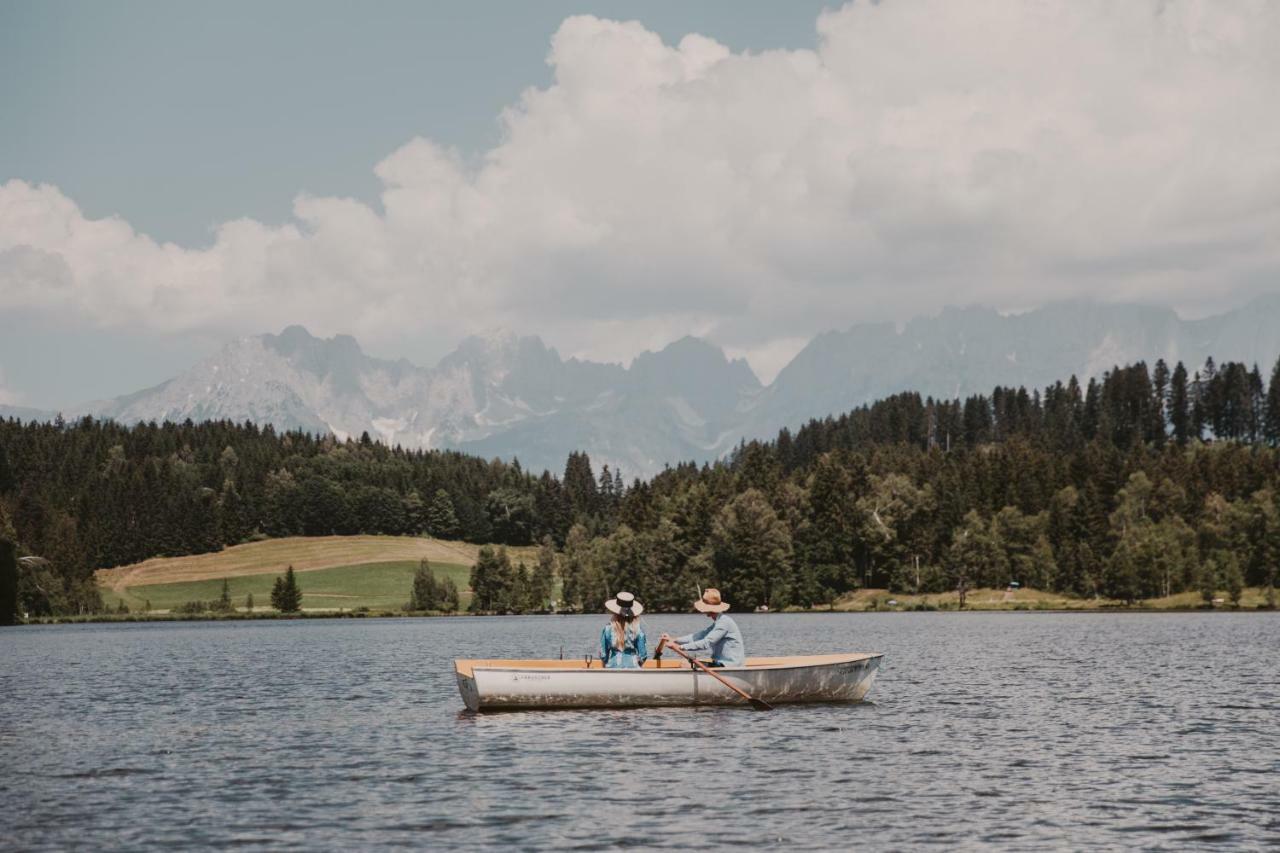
pixel 625 604
pixel 710 602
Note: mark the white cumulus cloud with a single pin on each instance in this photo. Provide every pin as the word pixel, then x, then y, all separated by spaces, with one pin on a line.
pixel 926 152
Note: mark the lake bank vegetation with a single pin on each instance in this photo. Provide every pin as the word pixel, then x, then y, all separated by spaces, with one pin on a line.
pixel 1142 484
pixel 869 601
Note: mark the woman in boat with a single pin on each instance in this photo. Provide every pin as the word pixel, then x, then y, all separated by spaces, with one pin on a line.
pixel 622 642
pixel 722 638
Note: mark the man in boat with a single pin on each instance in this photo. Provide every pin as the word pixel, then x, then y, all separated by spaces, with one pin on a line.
pixel 722 638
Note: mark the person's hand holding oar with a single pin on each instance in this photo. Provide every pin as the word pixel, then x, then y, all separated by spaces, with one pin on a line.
pixel 758 704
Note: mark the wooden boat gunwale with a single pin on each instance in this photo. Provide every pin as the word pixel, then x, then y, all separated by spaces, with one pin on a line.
pixel 466 666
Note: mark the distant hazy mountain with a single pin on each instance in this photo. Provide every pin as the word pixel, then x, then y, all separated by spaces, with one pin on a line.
pixel 503 395
pixel 24 413
pixel 965 351
pixel 500 395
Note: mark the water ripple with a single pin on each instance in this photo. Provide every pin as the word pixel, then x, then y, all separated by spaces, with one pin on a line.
pixel 1024 731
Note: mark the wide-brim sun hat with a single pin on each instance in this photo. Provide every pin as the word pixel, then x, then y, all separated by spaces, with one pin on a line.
pixel 710 602
pixel 624 603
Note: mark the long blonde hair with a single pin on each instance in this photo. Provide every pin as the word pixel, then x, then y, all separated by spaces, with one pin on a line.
pixel 624 628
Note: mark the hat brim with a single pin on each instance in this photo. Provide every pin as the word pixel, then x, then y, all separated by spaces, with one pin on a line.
pixel 613 607
pixel 702 607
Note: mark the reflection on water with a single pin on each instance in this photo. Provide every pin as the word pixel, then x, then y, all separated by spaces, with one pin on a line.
pixel 1012 729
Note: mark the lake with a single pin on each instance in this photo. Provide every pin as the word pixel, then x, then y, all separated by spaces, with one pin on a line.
pixel 1017 730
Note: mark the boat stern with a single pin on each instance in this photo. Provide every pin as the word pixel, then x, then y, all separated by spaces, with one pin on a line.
pixel 467 686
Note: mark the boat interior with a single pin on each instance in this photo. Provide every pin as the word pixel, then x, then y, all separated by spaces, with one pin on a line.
pixel 465 667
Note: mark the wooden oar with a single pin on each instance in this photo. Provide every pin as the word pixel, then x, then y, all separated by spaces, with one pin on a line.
pixel 758 704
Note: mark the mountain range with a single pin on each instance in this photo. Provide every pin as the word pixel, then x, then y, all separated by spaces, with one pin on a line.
pixel 512 396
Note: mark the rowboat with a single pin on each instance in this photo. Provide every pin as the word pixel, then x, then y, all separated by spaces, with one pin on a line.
pixel 526 684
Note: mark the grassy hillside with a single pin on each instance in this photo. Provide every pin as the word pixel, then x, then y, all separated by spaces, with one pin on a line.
pixel 333 571
pixel 304 553
pixel 378 586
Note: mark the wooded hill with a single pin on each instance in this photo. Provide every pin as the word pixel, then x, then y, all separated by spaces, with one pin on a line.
pixel 1142 483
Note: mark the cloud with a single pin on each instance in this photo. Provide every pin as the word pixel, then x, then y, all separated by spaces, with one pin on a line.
pixel 924 153
pixel 9 397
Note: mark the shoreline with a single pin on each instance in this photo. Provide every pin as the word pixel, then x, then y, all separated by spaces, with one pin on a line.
pixel 107 618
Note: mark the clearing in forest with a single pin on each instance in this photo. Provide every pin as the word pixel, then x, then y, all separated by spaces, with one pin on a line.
pixel 304 553
pixel 377 586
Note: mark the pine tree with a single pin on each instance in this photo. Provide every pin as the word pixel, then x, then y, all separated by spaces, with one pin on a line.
pixel 224 604
pixel 8 580
pixel 581 582
pixel 426 593
pixel 448 601
pixel 1269 546
pixel 605 488
pixel 231 515
pixel 1091 412
pixel 7 480
pixel 1179 406
pixel 977 421
pixel 580 485
pixel 1199 407
pixel 415 513
pixel 286 596
pixel 828 542
pixel 551 509
pixel 1207 582
pixel 1257 398
pixel 751 552
pixel 442 521
pixel 1160 392
pixel 1232 579
pixel 544 576
pixel 520 590
pixel 1207 411
pixel 1271 416
pixel 489 583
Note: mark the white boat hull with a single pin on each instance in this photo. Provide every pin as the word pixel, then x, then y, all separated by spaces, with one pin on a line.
pixel 526 684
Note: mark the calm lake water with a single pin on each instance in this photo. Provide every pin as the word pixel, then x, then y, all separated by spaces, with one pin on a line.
pixel 1017 730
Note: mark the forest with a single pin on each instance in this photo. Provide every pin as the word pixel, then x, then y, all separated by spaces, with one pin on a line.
pixel 1141 483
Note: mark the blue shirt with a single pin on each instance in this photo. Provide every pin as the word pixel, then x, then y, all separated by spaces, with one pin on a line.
pixel 634 652
pixel 722 638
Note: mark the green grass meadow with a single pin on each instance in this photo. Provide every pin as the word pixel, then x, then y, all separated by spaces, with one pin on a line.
pixel 377 586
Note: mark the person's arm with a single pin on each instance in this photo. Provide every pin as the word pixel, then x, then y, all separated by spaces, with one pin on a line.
pixel 642 647
pixel 704 640
pixel 606 645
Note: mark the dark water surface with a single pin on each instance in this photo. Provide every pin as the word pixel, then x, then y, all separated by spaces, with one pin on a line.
pixel 1017 730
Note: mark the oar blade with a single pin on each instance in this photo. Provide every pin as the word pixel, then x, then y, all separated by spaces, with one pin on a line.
pixel 761 705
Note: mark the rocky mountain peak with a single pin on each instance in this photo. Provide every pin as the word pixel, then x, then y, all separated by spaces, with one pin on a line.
pixel 503 394
pixel 696 370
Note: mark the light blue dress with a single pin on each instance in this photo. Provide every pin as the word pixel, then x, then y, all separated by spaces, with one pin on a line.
pixel 722 638
pixel 633 654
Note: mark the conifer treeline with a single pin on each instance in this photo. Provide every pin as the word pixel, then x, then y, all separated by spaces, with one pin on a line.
pixel 1142 483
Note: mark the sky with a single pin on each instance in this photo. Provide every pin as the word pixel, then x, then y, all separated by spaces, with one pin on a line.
pixel 612 176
